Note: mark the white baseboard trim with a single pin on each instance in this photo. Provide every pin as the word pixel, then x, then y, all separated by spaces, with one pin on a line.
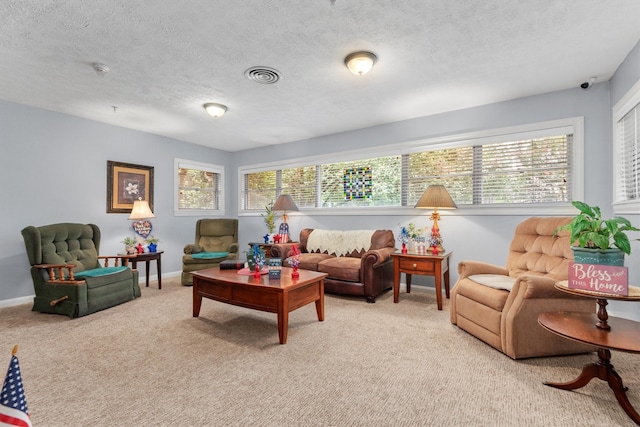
pixel 143 281
pixel 16 301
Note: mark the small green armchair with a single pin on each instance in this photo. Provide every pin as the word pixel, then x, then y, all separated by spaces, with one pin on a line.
pixel 67 273
pixel 216 241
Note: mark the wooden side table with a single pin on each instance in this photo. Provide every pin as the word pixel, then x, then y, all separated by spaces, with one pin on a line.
pixel 605 333
pixel 428 265
pixel 148 257
pixel 266 247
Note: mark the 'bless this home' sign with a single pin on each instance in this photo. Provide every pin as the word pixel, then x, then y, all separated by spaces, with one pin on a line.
pixel 608 279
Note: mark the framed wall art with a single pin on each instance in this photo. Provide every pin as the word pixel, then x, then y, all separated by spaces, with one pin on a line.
pixel 127 183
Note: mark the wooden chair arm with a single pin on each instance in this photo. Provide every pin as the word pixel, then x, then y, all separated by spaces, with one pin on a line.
pixel 60 278
pixel 117 259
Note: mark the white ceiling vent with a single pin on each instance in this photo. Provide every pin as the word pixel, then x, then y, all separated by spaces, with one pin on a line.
pixel 100 69
pixel 264 75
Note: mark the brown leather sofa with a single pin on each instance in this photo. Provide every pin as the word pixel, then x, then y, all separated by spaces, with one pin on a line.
pixel 366 269
pixel 483 305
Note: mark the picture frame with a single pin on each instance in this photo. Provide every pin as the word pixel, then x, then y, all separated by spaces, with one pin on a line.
pixel 126 183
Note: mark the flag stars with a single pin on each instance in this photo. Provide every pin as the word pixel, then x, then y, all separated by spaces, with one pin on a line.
pixel 12 396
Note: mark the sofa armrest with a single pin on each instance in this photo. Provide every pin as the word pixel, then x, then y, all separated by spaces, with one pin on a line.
pixel 468 268
pixel 281 250
pixel 375 257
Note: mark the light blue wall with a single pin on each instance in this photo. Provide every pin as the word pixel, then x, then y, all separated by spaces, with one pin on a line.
pixel 483 238
pixel 53 169
pixel 626 76
pixel 37 190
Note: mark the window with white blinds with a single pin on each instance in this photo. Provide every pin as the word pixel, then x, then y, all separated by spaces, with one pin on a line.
pixel 627 150
pixel 198 188
pixel 517 168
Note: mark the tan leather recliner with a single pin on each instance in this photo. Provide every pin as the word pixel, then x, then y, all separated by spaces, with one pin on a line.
pixel 482 304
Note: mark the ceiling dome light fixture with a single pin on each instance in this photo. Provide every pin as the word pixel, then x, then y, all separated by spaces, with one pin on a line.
pixel 215 110
pixel 360 62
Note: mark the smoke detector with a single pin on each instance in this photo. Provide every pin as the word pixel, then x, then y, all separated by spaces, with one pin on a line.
pixel 100 69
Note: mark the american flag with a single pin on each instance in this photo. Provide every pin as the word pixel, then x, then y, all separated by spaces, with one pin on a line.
pixel 13 404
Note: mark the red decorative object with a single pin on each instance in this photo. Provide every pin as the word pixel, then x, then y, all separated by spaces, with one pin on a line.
pixel 139 248
pixel 294 260
pixel 277 238
pixel 404 248
pixel 434 250
pixel 256 273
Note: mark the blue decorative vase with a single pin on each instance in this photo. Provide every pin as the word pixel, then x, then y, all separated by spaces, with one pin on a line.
pixel 152 247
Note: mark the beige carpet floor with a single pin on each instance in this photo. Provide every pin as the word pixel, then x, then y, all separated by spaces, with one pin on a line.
pixel 149 362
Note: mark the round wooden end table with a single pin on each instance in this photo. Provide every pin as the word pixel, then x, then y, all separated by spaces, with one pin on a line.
pixel 603 332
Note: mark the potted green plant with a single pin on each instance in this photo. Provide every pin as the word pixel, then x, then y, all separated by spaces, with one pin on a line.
pixel 599 241
pixel 269 218
pixel 129 244
pixel 255 256
pixel 152 243
pixel 409 234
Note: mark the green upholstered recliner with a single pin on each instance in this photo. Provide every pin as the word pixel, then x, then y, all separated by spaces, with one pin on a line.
pixel 66 271
pixel 216 240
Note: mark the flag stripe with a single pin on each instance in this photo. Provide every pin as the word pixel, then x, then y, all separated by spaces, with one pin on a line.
pixel 13 417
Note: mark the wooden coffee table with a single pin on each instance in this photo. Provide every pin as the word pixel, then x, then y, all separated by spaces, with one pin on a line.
pixel 279 296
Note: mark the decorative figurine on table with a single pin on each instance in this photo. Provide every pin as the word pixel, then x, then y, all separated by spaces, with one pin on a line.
pixel 277 238
pixel 435 242
pixel 139 248
pixel 294 261
pixel 256 260
pixel 404 239
pixel 266 238
pixel 283 232
pixel 275 268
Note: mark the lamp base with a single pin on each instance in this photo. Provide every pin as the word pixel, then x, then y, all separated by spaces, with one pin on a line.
pixel 283 232
pixel 142 227
pixel 436 250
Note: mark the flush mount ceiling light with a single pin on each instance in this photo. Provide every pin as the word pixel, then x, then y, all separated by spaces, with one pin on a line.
pixel 360 62
pixel 215 110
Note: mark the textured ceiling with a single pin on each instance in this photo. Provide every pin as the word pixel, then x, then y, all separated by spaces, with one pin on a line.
pixel 167 58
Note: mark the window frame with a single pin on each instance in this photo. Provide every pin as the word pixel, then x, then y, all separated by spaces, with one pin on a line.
pixel 209 167
pixel 574 125
pixel 619 110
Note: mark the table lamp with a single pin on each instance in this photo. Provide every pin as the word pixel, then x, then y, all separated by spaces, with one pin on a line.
pixel 284 203
pixel 140 213
pixel 434 197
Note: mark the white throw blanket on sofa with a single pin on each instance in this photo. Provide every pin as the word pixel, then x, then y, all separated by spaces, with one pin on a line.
pixel 339 242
